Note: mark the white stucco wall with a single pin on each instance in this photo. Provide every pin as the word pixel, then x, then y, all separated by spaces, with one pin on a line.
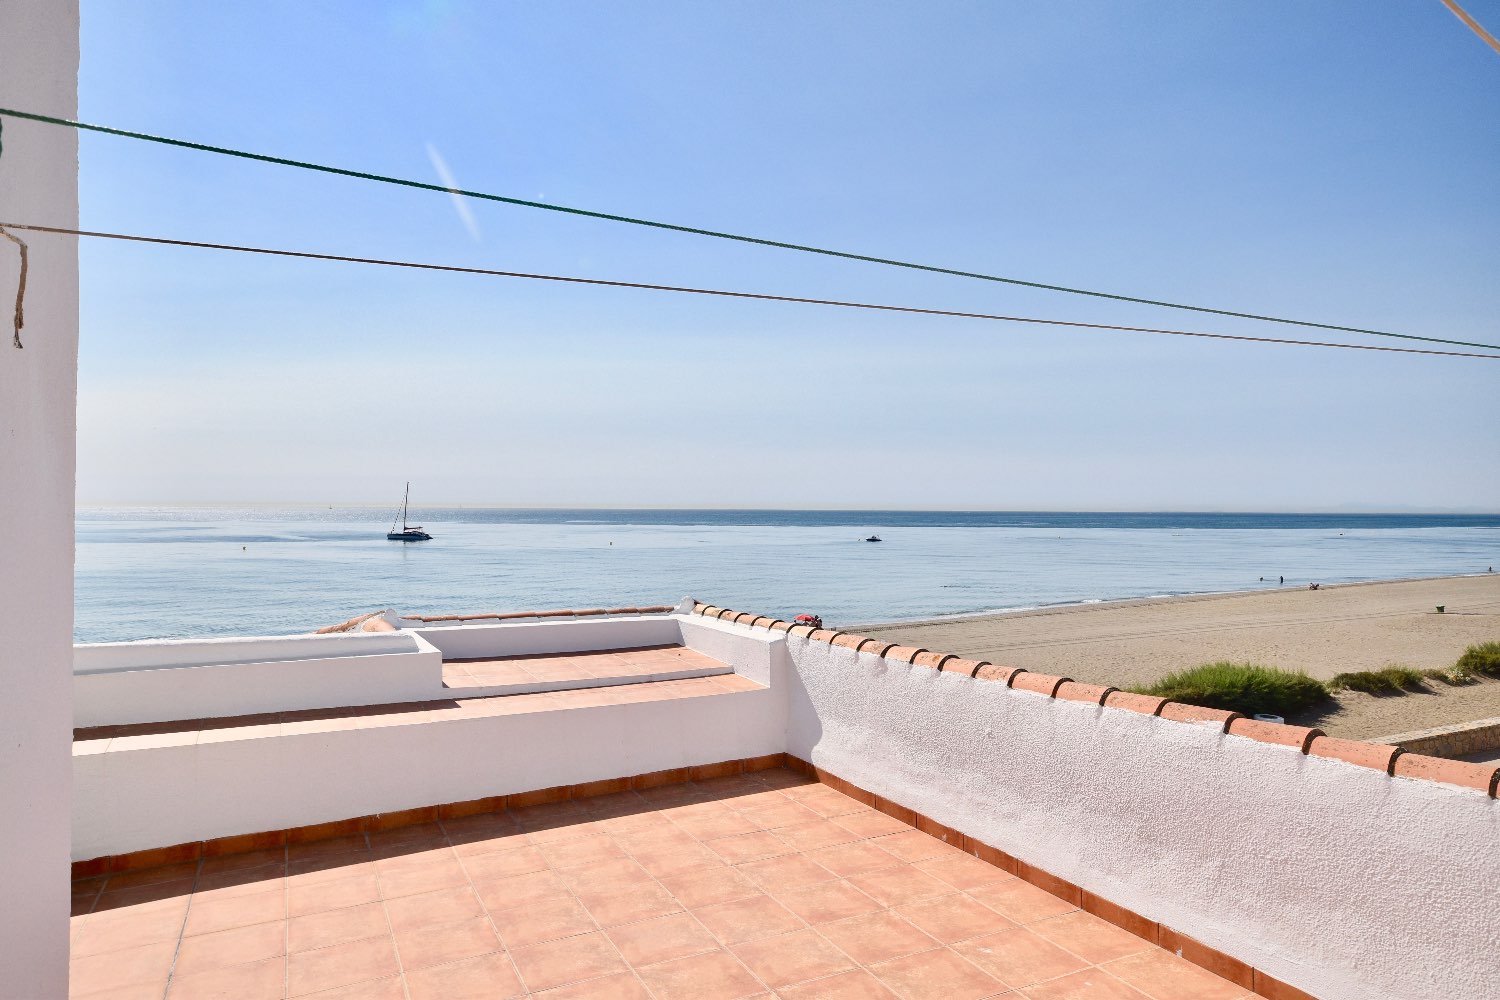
pixel 1337 879
pixel 133 796
pixel 122 683
pixel 38 390
pixel 552 636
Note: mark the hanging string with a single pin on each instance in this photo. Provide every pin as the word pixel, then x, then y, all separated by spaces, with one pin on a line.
pixel 20 318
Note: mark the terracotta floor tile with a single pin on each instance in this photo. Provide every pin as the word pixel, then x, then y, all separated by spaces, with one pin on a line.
pixel 870 823
pixel 792 958
pixel 877 937
pixel 619 873
pixel 774 812
pixel 786 872
pixel 544 920
pixel 376 989
pixel 1090 984
pixel 854 859
pixel 1021 901
pixel 717 975
pixel 857 985
pixel 263 980
pixel 131 927
pixel 703 886
pixel 319 930
pixel 408 881
pixel 615 905
pixel 894 886
pixel 582 851
pixel 936 975
pixel 822 902
pixel 242 882
pixel 963 871
pixel 205 916
pixel 620 986
pixel 333 894
pixel 152 876
pixel 441 906
pixel 519 890
pixel 440 944
pixel 819 833
pixel 1163 976
pixel 489 977
pixel 669 862
pixel 749 846
pixel 146 963
pixel 954 917
pixel 746 919
pixel 1090 938
pixel 723 822
pixel 661 939
pixel 207 952
pixel 569 960
pixel 137 991
pixel 1019 958
pixel 140 895
pixel 913 845
pixel 825 801
pixel 313 871
pixel 249 859
pixel 341 965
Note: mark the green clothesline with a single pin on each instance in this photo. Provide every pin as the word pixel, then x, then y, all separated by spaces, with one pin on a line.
pixel 695 231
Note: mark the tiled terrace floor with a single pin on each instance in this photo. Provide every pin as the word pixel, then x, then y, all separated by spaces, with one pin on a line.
pixel 580 669
pixel 758 885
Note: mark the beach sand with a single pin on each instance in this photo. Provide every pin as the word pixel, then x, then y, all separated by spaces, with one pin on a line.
pixel 1323 632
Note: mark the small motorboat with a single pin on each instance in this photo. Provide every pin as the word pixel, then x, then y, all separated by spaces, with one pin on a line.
pixel 873 538
pixel 408 532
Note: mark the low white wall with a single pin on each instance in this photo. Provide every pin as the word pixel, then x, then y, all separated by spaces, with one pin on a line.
pixel 129 800
pixel 100 657
pixel 124 683
pixel 551 636
pixel 1337 879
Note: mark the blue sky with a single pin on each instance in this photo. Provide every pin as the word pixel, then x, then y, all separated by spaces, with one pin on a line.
pixel 1331 161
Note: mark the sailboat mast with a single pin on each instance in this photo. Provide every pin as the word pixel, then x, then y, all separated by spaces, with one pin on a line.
pixel 405 499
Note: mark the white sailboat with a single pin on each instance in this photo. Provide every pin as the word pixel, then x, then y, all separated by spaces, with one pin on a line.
pixel 408 532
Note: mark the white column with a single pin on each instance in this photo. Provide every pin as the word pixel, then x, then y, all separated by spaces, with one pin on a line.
pixel 38 392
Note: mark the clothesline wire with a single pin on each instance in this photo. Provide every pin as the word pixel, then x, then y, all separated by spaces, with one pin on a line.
pixel 716 234
pixel 726 293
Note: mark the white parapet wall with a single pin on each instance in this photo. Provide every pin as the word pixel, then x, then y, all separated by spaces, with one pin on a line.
pixel 144 791
pixel 168 680
pixel 1337 879
pixel 529 638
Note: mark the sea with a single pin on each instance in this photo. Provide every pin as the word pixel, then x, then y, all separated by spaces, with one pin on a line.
pixel 176 571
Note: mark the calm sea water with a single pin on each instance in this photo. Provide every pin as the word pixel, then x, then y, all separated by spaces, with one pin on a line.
pixel 202 571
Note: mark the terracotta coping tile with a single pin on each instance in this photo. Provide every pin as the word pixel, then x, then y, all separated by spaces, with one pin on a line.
pixel 1091 693
pixel 1179 712
pixel 710 610
pixel 1131 702
pixel 1205 957
pixel 763 621
pixel 1046 684
pixel 743 618
pixel 929 659
pixel 1278 733
pixel 848 640
pixel 1379 756
pixel 1275 989
pixel 823 635
pixel 780 626
pixel 959 665
pixel 906 654
pixel 1481 777
pixel 878 647
pixel 995 672
pixel 806 630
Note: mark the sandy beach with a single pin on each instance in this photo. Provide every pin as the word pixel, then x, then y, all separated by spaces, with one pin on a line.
pixel 1323 632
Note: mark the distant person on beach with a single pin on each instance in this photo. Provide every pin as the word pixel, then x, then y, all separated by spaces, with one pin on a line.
pixel 1281 580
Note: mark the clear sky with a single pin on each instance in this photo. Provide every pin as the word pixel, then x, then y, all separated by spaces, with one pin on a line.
pixel 1335 161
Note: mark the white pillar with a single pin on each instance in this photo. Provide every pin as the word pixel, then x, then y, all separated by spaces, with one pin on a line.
pixel 38 393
